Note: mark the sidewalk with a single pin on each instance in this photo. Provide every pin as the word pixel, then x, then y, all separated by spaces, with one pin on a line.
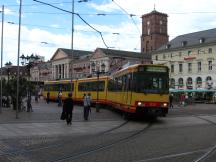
pixel 45 120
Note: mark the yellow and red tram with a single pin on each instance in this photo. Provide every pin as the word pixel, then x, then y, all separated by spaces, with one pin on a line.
pixel 136 89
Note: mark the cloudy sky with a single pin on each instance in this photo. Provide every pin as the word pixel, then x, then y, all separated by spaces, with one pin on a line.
pixel 45 28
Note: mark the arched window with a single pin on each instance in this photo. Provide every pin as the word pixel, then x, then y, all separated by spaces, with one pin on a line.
pixel 199 82
pixel 172 83
pixel 209 82
pixel 180 82
pixel 208 78
pixel 189 83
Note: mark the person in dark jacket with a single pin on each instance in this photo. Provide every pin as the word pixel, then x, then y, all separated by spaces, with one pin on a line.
pixel 48 97
pixel 68 108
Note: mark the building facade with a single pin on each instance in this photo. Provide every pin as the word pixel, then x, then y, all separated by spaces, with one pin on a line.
pixel 109 61
pixel 154 31
pixel 64 60
pixel 191 59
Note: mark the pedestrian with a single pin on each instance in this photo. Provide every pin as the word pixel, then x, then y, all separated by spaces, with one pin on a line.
pixel 48 97
pixel 36 96
pixel 89 101
pixel 60 98
pixel 68 108
pixel 171 100
pixel 29 105
pixel 86 104
pixel 182 99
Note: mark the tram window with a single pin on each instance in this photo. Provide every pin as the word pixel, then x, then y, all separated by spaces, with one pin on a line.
pixel 54 87
pixel 67 87
pixel 118 84
pixel 47 87
pixel 111 85
pixel 129 79
pixel 91 86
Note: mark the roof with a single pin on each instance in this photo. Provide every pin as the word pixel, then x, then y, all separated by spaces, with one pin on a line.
pixel 131 54
pixel 191 39
pixel 154 12
pixel 76 53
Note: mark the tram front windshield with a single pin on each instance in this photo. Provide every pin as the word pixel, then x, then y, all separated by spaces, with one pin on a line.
pixel 151 82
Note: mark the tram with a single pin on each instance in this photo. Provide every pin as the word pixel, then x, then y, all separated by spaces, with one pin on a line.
pixel 140 88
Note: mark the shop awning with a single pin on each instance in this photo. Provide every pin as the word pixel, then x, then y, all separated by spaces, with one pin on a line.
pixel 191 90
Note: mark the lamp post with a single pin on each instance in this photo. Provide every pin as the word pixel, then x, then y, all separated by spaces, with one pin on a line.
pixel 1 55
pixel 98 73
pixel 28 61
pixel 72 41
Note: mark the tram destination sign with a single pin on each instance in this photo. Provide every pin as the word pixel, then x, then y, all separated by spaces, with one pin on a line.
pixel 154 69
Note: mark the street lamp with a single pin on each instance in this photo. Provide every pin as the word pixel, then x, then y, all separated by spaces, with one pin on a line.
pixel 1 55
pixel 98 72
pixel 28 61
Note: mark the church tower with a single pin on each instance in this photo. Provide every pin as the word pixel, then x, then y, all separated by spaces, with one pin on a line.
pixel 154 31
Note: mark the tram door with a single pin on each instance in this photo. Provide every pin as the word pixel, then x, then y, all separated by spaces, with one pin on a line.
pixel 127 93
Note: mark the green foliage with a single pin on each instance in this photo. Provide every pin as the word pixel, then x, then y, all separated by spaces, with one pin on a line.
pixel 24 86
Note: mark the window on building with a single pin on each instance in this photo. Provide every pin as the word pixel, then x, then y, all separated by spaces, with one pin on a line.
pixel 161 22
pixel 199 81
pixel 180 82
pixel 210 50
pixel 164 56
pixel 180 68
pixel 180 54
pixel 189 67
pixel 149 31
pixel 199 64
pixel 189 53
pixel 189 81
pixel 172 68
pixel 156 57
pixel 202 40
pixel 172 83
pixel 210 65
pixel 208 78
pixel 201 51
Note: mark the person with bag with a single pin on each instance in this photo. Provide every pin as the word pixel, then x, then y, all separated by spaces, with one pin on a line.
pixel 68 109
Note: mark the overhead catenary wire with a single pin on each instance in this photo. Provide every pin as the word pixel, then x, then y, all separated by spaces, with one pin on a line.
pixel 78 16
pixel 131 16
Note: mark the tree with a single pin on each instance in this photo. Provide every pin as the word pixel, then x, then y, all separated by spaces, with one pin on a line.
pixel 24 85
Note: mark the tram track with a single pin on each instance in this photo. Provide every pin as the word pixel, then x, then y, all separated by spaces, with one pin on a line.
pixel 103 146
pixel 211 149
pixel 27 149
pixel 79 153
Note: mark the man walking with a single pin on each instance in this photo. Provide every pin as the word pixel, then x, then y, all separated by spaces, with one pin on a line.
pixel 68 108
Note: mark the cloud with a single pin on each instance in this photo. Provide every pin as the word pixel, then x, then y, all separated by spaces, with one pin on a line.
pixel 108 7
pixel 183 17
pixel 31 42
pixel 8 11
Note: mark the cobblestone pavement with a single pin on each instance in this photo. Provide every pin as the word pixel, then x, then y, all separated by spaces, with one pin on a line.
pixel 41 136
pixel 45 120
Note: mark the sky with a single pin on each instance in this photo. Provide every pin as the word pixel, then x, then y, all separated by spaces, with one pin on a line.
pixel 115 24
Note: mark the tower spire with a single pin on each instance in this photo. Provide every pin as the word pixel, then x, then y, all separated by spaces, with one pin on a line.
pixel 154 7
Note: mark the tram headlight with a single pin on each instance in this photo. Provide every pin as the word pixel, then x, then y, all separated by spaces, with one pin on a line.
pixel 139 103
pixel 164 104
